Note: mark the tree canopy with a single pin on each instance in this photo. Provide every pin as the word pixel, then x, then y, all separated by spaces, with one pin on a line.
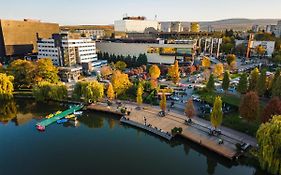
pixel 46 71
pixel 154 72
pixel 217 114
pixel 242 86
pixel 94 91
pixel 226 81
pixel 249 106
pixel 174 72
pixel 120 82
pixel 6 87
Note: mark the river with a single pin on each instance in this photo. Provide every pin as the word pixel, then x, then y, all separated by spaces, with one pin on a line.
pixel 99 144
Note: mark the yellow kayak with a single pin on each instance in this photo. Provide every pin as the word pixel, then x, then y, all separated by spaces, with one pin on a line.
pixel 58 112
pixel 70 116
pixel 50 116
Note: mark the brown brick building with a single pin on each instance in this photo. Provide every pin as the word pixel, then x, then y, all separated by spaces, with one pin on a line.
pixel 18 38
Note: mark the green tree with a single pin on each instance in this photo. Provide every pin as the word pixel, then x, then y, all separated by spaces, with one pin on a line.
pixel 211 84
pixel 276 89
pixel 261 84
pixel 79 90
pixel 142 60
pixel 94 91
pixel 253 80
pixel 226 81
pixel 268 136
pixel 120 65
pixel 230 58
pixel 139 94
pixel 23 72
pixel 163 102
pixel 217 114
pixel 46 71
pixel 242 86
pixel 249 106
pixel 6 87
pixel 110 92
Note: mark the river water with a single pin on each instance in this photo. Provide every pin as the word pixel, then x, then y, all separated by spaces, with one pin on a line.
pixel 98 144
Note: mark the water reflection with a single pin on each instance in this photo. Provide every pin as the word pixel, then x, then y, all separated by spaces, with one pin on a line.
pixel 8 111
pixel 211 165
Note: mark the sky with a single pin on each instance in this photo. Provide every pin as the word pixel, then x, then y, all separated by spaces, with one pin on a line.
pixel 72 12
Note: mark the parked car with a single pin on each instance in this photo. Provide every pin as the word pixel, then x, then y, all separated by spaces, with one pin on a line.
pixel 175 98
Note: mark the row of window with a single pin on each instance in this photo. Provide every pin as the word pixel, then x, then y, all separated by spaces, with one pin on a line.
pixel 46 50
pixel 50 55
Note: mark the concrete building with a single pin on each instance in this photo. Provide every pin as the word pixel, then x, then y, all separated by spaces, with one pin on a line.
pixel 268 45
pixel 67 49
pixel 176 27
pixel 270 28
pixel 156 53
pixel 255 28
pixel 92 33
pixel 277 30
pixel 135 25
pixel 19 38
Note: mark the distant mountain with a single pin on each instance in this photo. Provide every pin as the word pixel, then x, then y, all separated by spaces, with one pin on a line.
pixel 240 24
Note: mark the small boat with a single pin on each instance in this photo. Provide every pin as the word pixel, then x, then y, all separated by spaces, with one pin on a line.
pixel 64 120
pixel 70 116
pixel 50 116
pixel 40 128
pixel 58 112
pixel 78 113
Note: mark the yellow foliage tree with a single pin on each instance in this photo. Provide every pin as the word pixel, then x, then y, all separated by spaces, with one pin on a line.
pixel 174 73
pixel 46 71
pixel 105 71
pixel 139 94
pixel 121 65
pixel 154 72
pixel 218 70
pixel 94 91
pixel 120 82
pixel 6 86
pixel 110 92
pixel 206 62
pixel 163 102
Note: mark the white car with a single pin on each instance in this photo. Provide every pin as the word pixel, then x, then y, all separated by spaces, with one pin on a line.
pixel 175 98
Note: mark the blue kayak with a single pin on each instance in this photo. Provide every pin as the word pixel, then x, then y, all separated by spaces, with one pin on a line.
pixel 64 120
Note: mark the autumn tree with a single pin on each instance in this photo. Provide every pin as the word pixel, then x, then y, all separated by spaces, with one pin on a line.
pixel 211 84
pixel 206 62
pixel 226 81
pixel 6 87
pixel 94 91
pixel 276 89
pixel 23 72
pixel 218 70
pixel 106 71
pixel 46 71
pixel 120 82
pixel 242 86
pixel 253 80
pixel 79 89
pixel 163 102
pixel 120 65
pixel 260 50
pixel 110 92
pixel 217 114
pixel 154 72
pixel 272 108
pixel 230 58
pixel 174 73
pixel 190 109
pixel 268 137
pixel 261 84
pixel 249 106
pixel 139 94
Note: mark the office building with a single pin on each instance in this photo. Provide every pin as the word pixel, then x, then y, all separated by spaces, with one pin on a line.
pixel 268 45
pixel 67 49
pixel 19 38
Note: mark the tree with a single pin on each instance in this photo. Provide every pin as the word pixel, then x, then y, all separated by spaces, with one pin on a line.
pixel 142 60
pixel 174 73
pixel 46 71
pixel 163 102
pixel 218 70
pixel 23 72
pixel 139 94
pixel 79 90
pixel 268 137
pixel 154 72
pixel 230 58
pixel 94 91
pixel 106 71
pixel 226 81
pixel 241 49
pixel 110 92
pixel 206 62
pixel 253 80
pixel 272 108
pixel 45 90
pixel 120 65
pixel 260 50
pixel 190 109
pixel 120 82
pixel 261 84
pixel 6 87
pixel 249 106
pixel 276 89
pixel 217 114
pixel 242 86
pixel 211 84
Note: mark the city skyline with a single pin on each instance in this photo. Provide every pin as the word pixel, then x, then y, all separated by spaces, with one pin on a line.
pixel 98 12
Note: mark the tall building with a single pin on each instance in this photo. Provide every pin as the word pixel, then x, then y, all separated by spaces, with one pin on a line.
pixel 67 49
pixel 176 27
pixel 135 25
pixel 19 38
pixel 277 30
pixel 255 28
pixel 194 27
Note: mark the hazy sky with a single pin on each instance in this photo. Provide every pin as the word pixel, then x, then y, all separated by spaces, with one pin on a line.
pixel 106 11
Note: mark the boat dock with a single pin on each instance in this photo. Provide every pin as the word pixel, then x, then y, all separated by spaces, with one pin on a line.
pixel 59 116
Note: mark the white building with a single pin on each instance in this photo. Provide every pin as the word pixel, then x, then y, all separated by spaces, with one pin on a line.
pixel 135 25
pixel 277 30
pixel 93 33
pixel 67 51
pixel 268 45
